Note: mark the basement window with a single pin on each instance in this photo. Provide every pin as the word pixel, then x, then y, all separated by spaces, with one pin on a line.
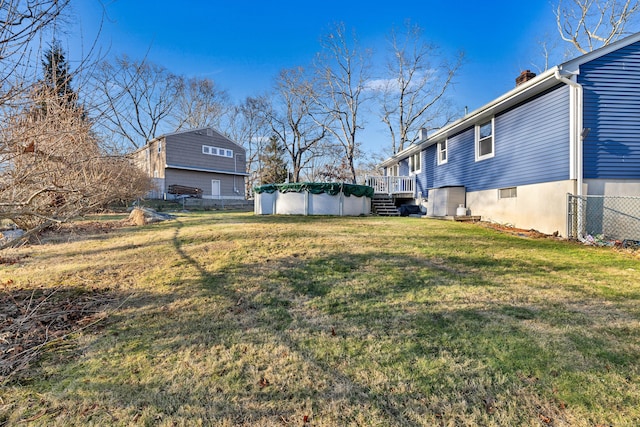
pixel 508 193
pixel 485 140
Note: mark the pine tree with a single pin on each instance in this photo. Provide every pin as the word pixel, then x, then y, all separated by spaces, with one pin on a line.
pixel 274 166
pixel 56 76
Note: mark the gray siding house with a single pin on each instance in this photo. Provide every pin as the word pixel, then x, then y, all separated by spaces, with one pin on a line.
pixel 200 158
pixel 572 130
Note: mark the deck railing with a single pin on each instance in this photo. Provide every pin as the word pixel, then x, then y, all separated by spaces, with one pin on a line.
pixel 392 185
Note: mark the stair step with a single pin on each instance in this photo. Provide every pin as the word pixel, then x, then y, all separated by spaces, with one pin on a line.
pixel 384 206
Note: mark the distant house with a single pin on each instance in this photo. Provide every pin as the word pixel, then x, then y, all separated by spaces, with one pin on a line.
pixel 574 129
pixel 201 159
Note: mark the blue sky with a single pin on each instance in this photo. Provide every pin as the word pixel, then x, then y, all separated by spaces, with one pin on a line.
pixel 242 45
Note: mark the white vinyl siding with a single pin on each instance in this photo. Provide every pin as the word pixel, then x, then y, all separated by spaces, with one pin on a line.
pixel 485 140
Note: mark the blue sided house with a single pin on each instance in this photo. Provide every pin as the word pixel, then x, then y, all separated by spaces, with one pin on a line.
pixel 574 129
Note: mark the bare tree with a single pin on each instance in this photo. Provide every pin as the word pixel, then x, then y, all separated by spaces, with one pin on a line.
pixel 248 125
pixel 343 71
pixel 293 122
pixel 590 24
pixel 22 22
pixel 200 103
pixel 52 168
pixel 138 98
pixel 412 94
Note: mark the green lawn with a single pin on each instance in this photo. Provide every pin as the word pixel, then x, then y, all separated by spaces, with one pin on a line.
pixel 231 319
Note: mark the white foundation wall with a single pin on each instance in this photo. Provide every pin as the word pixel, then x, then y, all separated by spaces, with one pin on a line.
pixel 541 207
pixel 620 187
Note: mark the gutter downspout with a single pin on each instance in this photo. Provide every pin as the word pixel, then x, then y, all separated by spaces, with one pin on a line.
pixel 575 136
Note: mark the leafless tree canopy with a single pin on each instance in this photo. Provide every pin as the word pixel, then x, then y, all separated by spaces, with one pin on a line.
pixel 412 92
pixel 137 96
pixel 52 166
pixel 199 104
pixel 21 23
pixel 292 119
pixel 248 126
pixel 343 69
pixel 590 24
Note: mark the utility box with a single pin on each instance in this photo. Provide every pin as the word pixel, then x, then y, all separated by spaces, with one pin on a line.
pixel 444 201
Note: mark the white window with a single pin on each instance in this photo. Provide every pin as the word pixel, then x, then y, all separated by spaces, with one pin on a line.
pixel 215 151
pixel 159 146
pixel 485 140
pixel 414 162
pixel 393 170
pixel 442 152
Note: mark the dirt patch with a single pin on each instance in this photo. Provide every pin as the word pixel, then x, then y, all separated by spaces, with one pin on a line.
pixel 533 234
pixel 32 319
pixel 77 230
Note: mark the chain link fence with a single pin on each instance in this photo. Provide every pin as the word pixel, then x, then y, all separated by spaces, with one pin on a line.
pixel 605 220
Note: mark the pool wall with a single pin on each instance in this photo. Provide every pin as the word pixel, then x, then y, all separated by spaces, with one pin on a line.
pixel 312 199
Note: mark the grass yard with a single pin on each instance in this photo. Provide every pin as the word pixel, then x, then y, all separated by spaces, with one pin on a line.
pixel 229 319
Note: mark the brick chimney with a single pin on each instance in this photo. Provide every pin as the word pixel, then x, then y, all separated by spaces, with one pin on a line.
pixel 524 76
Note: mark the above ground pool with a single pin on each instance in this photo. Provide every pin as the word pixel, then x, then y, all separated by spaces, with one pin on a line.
pixel 313 198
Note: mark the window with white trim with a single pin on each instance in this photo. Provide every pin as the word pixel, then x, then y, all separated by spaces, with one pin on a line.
pixel 415 163
pixel 215 151
pixel 485 140
pixel 393 170
pixel 159 146
pixel 442 152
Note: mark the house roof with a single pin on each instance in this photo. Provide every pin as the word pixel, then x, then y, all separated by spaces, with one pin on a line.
pixel 520 93
pixel 180 132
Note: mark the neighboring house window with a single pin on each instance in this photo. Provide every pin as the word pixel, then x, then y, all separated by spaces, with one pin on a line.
pixel 442 152
pixel 414 163
pixel 393 170
pixel 159 146
pixel 508 193
pixel 484 140
pixel 215 151
pixel 155 173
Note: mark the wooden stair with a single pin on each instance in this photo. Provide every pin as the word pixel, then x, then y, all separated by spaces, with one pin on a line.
pixel 383 205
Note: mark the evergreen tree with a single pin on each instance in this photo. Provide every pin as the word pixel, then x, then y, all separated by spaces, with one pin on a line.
pixel 274 166
pixel 56 75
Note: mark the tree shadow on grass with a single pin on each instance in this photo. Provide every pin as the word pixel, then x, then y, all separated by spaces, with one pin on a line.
pixel 374 337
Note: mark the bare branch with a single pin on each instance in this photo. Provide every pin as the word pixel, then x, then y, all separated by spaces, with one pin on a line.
pixel 590 24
